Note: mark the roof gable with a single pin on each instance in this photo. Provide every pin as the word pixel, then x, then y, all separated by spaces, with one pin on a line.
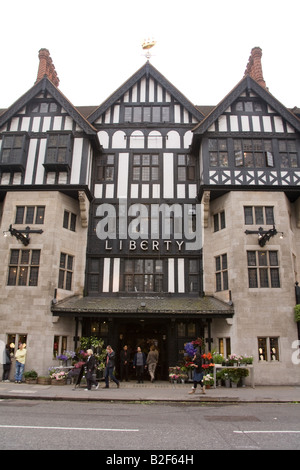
pixel 246 84
pixel 147 71
pixel 45 85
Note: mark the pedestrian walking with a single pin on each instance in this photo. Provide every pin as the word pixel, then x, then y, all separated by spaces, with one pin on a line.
pixel 152 360
pixel 90 370
pixel 139 364
pixel 198 374
pixel 6 364
pixel 20 357
pixel 124 364
pixel 109 367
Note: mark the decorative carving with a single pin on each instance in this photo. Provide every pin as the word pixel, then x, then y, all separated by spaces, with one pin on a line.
pixel 83 208
pixel 205 202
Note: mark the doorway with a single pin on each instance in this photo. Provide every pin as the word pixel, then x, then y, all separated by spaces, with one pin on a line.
pixel 144 333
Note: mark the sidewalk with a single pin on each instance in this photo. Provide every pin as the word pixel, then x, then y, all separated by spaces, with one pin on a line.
pixel 147 392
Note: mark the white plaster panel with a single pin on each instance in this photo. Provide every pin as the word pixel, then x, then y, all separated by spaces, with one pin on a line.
pixel 168 172
pixel 76 161
pixel 171 275
pixel 119 140
pixel 123 175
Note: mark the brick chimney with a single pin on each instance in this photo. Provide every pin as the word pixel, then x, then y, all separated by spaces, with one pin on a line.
pixel 46 67
pixel 254 67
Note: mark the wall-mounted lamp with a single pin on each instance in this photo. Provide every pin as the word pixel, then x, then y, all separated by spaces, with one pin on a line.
pixel 264 235
pixel 22 235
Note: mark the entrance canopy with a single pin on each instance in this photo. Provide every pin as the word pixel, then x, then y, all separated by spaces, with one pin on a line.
pixel 144 307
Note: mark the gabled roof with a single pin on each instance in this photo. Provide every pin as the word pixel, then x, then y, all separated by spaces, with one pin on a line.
pixel 247 83
pixel 146 70
pixel 46 85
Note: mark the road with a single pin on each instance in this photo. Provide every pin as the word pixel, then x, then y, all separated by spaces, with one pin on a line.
pixel 56 425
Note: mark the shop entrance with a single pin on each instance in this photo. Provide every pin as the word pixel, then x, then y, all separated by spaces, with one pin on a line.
pixel 144 334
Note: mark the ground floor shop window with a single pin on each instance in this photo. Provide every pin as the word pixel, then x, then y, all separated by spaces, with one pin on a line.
pixel 59 345
pixel 14 339
pixel 268 349
pixel 224 347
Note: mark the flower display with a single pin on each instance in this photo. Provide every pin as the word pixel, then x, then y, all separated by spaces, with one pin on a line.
pixel 70 354
pixel 190 350
pixel 62 357
pixel 208 379
pixel 58 375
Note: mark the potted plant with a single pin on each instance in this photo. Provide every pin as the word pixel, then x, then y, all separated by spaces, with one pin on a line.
pixel 246 360
pixel 30 377
pixel 234 375
pixel 218 358
pixel 174 374
pixel 183 375
pixel 220 377
pixel 62 359
pixel 208 380
pixel 243 374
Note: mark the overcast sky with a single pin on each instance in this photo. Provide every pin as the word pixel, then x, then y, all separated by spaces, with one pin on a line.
pixel 202 46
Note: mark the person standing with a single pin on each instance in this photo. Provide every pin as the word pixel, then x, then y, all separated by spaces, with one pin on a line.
pixel 152 360
pixel 198 373
pixel 124 363
pixel 90 370
pixel 109 369
pixel 20 357
pixel 6 364
pixel 139 363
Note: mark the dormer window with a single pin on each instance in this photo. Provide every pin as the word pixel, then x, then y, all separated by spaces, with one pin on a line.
pixel 58 152
pixel 13 151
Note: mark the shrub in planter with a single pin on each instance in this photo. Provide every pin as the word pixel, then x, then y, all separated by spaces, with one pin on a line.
pixel 30 377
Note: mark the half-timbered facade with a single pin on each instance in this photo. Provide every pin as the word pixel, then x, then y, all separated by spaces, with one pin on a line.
pixel 151 220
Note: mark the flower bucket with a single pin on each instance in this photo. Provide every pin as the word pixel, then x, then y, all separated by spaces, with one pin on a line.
pixel 58 382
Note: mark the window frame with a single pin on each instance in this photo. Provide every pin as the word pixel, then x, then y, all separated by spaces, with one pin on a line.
pixel 66 271
pixel 253 218
pixel 23 273
pixel 57 162
pixel 263 273
pixel 141 275
pixel 218 153
pixel 268 348
pixel 38 215
pixel 138 172
pixel 247 151
pixel 221 272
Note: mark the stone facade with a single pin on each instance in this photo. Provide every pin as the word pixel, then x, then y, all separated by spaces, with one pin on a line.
pixel 26 309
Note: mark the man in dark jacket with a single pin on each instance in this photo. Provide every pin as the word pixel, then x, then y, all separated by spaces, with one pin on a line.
pixel 90 370
pixel 124 363
pixel 109 367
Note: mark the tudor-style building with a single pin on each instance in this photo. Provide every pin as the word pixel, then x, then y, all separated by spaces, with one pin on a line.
pixel 151 221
